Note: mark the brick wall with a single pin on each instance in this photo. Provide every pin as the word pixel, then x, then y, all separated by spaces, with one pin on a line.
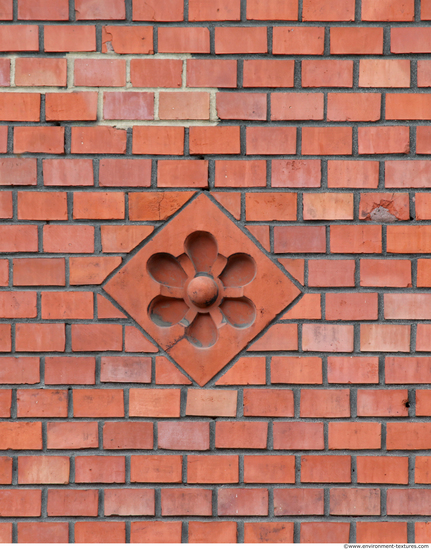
pixel 307 122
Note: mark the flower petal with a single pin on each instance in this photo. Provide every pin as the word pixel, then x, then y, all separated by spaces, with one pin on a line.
pixel 201 247
pixel 239 312
pixel 240 270
pixel 202 333
pixel 165 312
pixel 166 270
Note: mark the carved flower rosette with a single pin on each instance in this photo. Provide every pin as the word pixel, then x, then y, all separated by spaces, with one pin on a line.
pixel 202 290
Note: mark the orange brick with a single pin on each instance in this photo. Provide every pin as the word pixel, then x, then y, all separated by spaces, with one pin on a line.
pixel 298 40
pixel 268 73
pixel 129 502
pixel 297 106
pixel 321 10
pixel 328 206
pixel 388 10
pixel 422 469
pixel 326 469
pixel 31 71
pixel 43 9
pixel 403 436
pixel 184 40
pixel 158 140
pixel 212 532
pixel 100 469
pixel 19 38
pixel 382 403
pixel 347 239
pixel 242 502
pixel 88 9
pixel 17 304
pixel 351 307
pixel 156 531
pixel 402 502
pixel 71 106
pixel 219 10
pixel 422 403
pixel 298 435
pixel 167 373
pixel 384 73
pixel 271 402
pixel 406 306
pixel 191 173
pixel 186 502
pixel 408 106
pixel 298 502
pixel 184 435
pixel 247 106
pixel 389 338
pixel 100 72
pixel 72 502
pixel 184 105
pixel 424 273
pixel 409 240
pixel 295 173
pixel 128 435
pixel 35 470
pixel 296 370
pixel 125 369
pixel 325 403
pixel 124 173
pixel 42 206
pixel 6 14
pixel 331 338
pixel 70 38
pixel 383 469
pixel 296 239
pixel 424 73
pixel 68 172
pixel 240 173
pixel 353 173
pixel 382 532
pixel 327 73
pixel 327 141
pixel 20 107
pixel 423 146
pixel 156 469
pixel 38 140
pixel 100 532
pixel 269 469
pixel 20 502
pixel 5 403
pixel 98 140
pixel 70 370
pixel 331 273
pixel 241 435
pixel 324 532
pixel 353 370
pixel 212 469
pixel 22 238
pixel 101 337
pixel 422 206
pixel 21 435
pixel 361 107
pixel 40 337
pixel 231 40
pixel 42 403
pixel 156 73
pixel 214 140
pixel 41 533
pixel 272 9
pixel 136 40
pixel 384 139
pixel 211 403
pixel 72 435
pixel 98 403
pixel 87 270
pixel 407 370
pixel 18 171
pixel 270 206
pixel 384 207
pixel 68 238
pixel 280 337
pixel 211 73
pixel 356 40
pixel 5 338
pixel 247 370
pixel 104 206
pixel 67 305
pixel 423 337
pixel 271 141
pixel 309 307
pixel 360 502
pixel 164 403
pixel 152 10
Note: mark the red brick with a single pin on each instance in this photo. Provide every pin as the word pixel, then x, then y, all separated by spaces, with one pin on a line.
pixel 247 370
pixel 191 173
pixel 87 270
pixel 238 435
pixel 68 238
pixel 353 370
pixel 321 10
pixel 297 106
pixel 214 140
pixel 72 502
pixel 325 403
pixel 410 40
pixel 271 206
pixel 383 139
pixel 408 437
pixel 68 172
pixel 129 502
pixel 406 306
pixel 388 10
pixel 20 503
pixel 425 15
pixel 6 14
pixel 100 532
pixel 35 470
pixel 19 370
pixel 384 73
pixel 42 206
pixel 71 106
pixel 167 373
pixel 422 403
pixel 98 140
pixel 186 502
pixel 327 73
pixel 3 132
pixel 240 173
pixel 4 272
pixel 280 337
pixel 42 533
pixel 414 502
pixel 40 337
pixel 383 207
pixel 17 305
pixel 361 107
pixel 353 173
pixel 261 234
pixel 231 40
pixel 424 73
pixel 218 10
pixel 298 502
pixel 356 40
pixel 272 9
pixel 298 435
pixel 67 305
pixel 70 370
pixel 42 403
pixel 324 532
pixel 269 469
pixel 211 402
pixel 158 140
pixel 271 141
pixel 100 469
pixel 424 273
pixel 5 403
pixel 124 173
pixel 92 9
pixel 243 502
pixel 156 73
pixel 19 38
pixel 70 38
pixel 296 370
pixel 422 206
pixel 126 369
pixel 31 71
pixel 407 370
pixel 98 403
pixel 331 273
pixel 43 9
pixel 152 10
pixel 21 435
pixel 22 238
pixel 331 338
pixel 184 40
pixel 249 106
pixel 6 533
pixel 98 206
pixel 347 239
pixel 100 72
pixel 20 107
pixel 408 106
pixel 162 403
pixel 327 141
pixel 212 469
pixel 390 338
pixel 326 469
pixel 354 435
pixel 184 105
pixel 156 532
pixel 274 532
pixel 128 435
pixel 210 73
pixel 350 306
pixel 382 403
pixel 422 469
pixel 423 146
pixel 271 402
pixel 212 532
pixel 184 436
pixel 296 239
pixel 72 435
pixel 264 73
pixel 328 206
pixel 114 239
pixel 156 469
pixel 121 40
pixel 408 240
pixel 381 532
pixel 136 342
pixel 308 307
pixel 358 502
pixel 128 106
pixel 38 140
pixel 298 40
pixel 383 469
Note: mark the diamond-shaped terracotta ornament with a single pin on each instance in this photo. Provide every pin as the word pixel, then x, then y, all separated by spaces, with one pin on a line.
pixel 202 289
